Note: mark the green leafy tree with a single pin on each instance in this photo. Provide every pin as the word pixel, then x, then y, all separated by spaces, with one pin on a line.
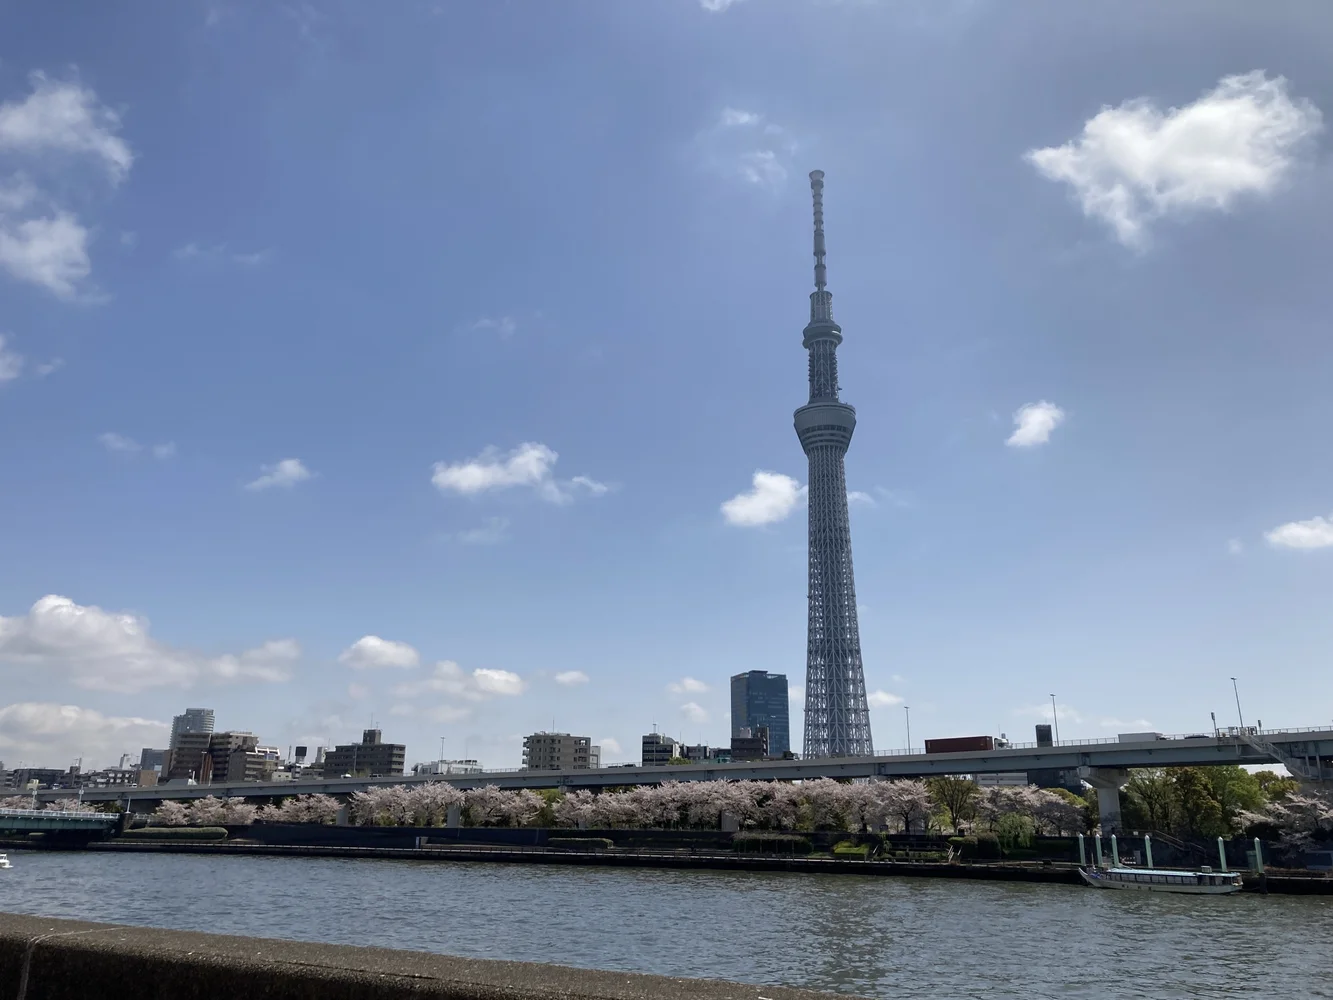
pixel 957 797
pixel 1200 812
pixel 1276 786
pixel 1150 800
pixel 1237 791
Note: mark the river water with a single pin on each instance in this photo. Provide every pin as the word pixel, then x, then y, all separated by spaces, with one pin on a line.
pixel 863 935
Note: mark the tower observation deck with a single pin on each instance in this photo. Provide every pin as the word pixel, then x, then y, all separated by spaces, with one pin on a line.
pixel 837 716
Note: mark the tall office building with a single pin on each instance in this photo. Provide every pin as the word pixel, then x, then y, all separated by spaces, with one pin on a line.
pixel 759 701
pixel 194 720
pixel 837 716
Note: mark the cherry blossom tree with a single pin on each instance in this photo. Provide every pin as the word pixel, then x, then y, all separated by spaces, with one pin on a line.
pixel 169 813
pixel 208 811
pixel 485 806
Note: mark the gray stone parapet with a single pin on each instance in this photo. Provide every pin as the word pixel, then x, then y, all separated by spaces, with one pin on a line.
pixel 46 959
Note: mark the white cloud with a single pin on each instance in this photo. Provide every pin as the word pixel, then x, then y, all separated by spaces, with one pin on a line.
pixel 856 496
pixel 1235 546
pixel 694 712
pixel 1043 711
pixel 221 254
pixel 687 685
pixel 50 251
pixel 370 652
pixel 610 747
pixel 503 326
pixel 107 651
pixel 531 464
pixel 570 678
pixel 47 367
pixel 40 242
pixel 715 6
pixel 359 692
pixel 796 694
pixel 11 362
pixel 742 145
pixel 1135 163
pixel 1316 533
pixel 771 498
pixel 882 699
pixel 286 474
pixel 63 116
pixel 449 678
pixel 45 731
pixel 1034 423
pixel 495 530
pixel 112 441
pixel 268 662
pixel 733 117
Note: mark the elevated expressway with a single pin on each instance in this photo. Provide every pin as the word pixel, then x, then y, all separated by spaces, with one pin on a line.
pixel 1307 753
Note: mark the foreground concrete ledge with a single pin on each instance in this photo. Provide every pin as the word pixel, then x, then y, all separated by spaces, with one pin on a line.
pixel 47 959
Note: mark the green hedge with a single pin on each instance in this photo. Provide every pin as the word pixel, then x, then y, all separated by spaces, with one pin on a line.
pixel 580 843
pixel 978 847
pixel 176 833
pixel 771 843
pixel 1022 854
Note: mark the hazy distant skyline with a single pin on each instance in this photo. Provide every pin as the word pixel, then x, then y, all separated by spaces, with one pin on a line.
pixel 435 365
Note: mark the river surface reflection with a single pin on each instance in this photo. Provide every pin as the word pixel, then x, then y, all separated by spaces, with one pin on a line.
pixel 875 937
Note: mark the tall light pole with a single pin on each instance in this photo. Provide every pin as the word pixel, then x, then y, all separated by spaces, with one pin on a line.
pixel 441 749
pixel 1055 718
pixel 1236 691
pixel 907 711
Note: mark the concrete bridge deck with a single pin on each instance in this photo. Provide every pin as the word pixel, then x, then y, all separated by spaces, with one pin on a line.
pixel 1312 745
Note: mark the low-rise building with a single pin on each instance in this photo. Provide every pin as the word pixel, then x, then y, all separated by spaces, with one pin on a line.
pixel 371 758
pixel 659 749
pixel 560 752
pixel 750 744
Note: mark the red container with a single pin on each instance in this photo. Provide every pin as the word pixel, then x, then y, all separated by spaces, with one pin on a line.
pixel 960 744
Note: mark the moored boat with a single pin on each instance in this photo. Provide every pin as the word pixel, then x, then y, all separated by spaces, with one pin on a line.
pixel 1204 882
pixel 4 862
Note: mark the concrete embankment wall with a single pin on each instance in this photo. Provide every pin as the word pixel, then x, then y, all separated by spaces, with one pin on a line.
pixel 45 959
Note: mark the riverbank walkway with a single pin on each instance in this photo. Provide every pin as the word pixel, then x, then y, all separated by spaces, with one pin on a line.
pixel 48 959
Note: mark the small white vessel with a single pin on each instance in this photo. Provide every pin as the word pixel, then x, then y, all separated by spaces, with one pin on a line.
pixel 4 862
pixel 1204 882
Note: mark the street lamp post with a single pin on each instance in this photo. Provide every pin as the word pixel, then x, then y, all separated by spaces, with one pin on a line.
pixel 1236 691
pixel 907 711
pixel 1055 718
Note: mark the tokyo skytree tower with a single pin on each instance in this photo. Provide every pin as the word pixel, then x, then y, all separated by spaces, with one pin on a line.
pixel 837 718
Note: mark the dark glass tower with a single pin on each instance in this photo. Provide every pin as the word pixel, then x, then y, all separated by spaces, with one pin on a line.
pixel 759 698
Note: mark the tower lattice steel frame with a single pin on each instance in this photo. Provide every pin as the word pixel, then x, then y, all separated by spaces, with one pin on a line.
pixel 837 717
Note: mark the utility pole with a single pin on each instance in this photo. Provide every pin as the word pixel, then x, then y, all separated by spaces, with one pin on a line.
pixel 1055 718
pixel 1236 691
pixel 907 712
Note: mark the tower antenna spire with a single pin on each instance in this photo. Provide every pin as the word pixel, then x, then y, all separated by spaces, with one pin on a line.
pixel 821 302
pixel 817 190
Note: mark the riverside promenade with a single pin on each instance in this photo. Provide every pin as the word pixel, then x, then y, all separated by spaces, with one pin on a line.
pixel 46 959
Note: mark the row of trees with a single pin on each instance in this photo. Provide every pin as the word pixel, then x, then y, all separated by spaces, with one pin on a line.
pixel 1201 802
pixel 812 805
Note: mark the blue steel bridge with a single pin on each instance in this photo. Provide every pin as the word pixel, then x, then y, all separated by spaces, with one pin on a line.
pixel 1103 764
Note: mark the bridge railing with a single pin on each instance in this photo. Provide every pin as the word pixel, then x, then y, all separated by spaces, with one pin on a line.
pixel 56 813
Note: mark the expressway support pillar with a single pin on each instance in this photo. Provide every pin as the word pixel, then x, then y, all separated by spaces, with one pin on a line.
pixel 1107 781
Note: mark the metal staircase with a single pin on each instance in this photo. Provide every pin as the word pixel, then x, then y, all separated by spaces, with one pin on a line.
pixel 1298 766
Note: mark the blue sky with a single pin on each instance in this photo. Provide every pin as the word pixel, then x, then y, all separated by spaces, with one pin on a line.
pixel 397 361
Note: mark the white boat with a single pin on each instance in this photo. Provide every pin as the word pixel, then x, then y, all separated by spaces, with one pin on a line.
pixel 4 862
pixel 1204 882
